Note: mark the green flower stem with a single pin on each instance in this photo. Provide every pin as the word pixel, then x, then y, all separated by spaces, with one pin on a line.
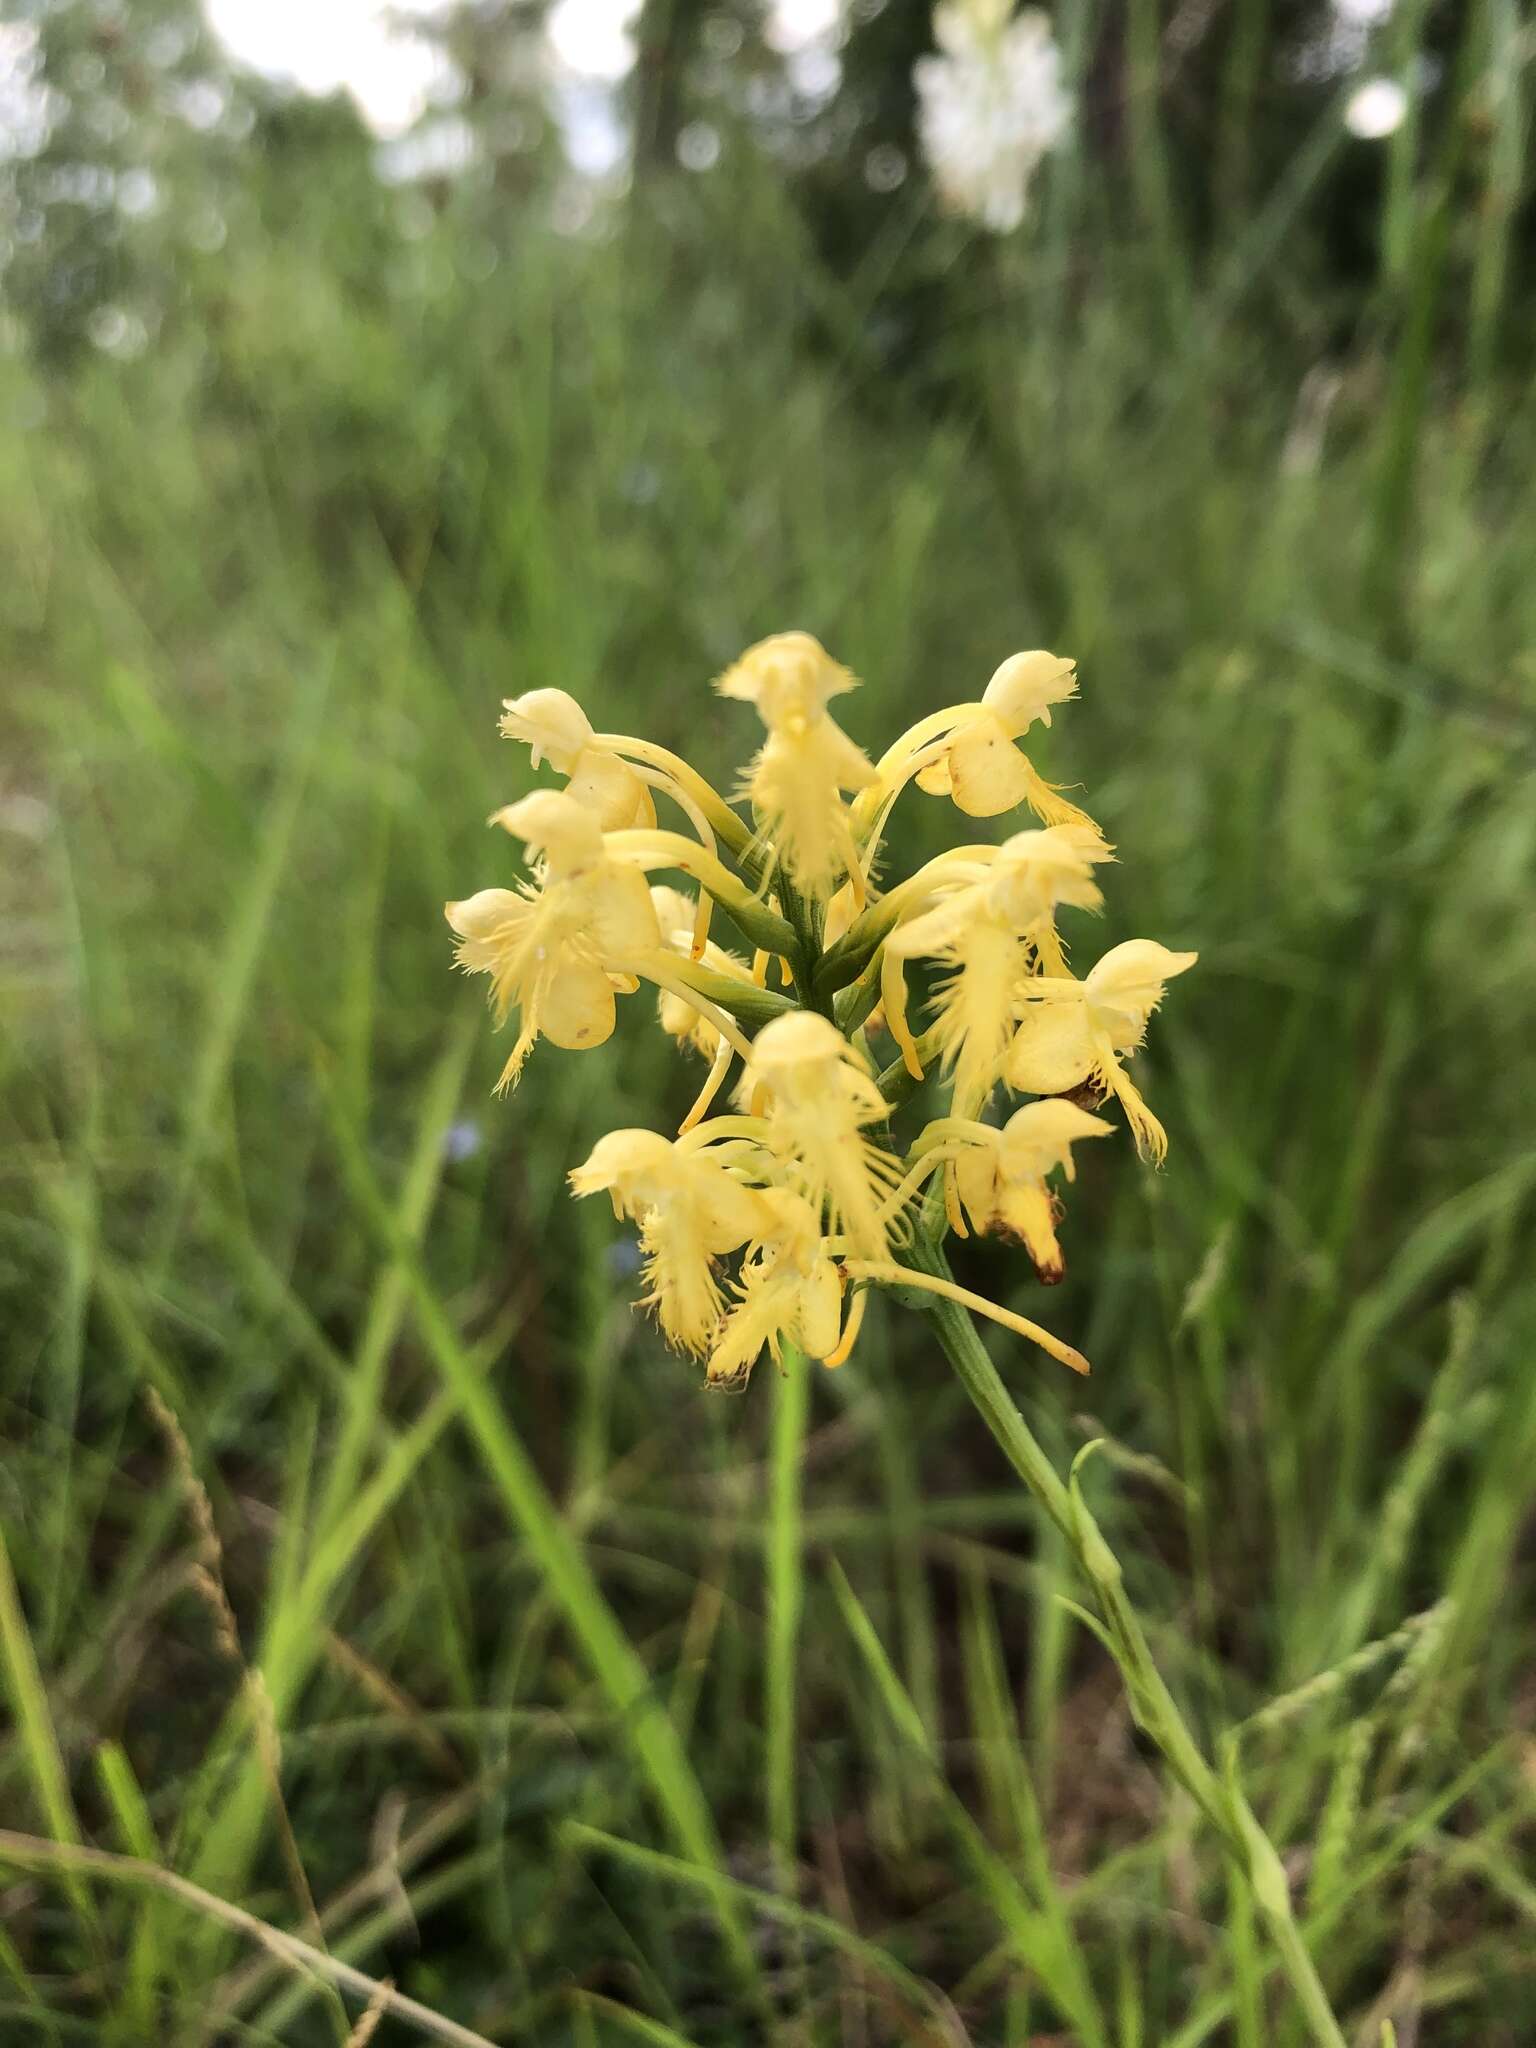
pixel 747 1001
pixel 805 919
pixel 648 849
pixel 723 820
pixel 1153 1705
pixel 785 1552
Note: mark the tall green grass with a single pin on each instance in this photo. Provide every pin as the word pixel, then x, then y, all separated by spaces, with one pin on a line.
pixel 598 1709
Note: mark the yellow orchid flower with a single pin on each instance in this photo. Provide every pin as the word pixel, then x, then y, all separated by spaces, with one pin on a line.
pixel 691 1212
pixel 554 727
pixel 821 1099
pixel 797 779
pixel 560 948
pixel 1000 1174
pixel 617 790
pixel 992 925
pixel 613 773
pixel 569 1000
pixel 790 1291
pixel 967 752
pixel 1075 1033
pixel 980 767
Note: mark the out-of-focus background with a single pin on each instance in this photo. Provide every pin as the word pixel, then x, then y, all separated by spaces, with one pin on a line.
pixel 358 369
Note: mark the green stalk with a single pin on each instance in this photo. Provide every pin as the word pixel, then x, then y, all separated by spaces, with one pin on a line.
pixel 746 1001
pixel 786 1587
pixel 650 848
pixel 1153 1706
pixel 1150 180
pixel 1502 190
pixel 804 919
pixel 1402 40
pixel 1247 48
pixel 38 1739
pixel 1389 566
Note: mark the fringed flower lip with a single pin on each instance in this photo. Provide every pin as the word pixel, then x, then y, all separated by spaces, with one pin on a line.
pixel 773 1214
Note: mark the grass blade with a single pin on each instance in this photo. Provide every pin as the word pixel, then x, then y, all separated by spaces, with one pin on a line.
pixel 567 1575
pixel 1042 1942
pixel 39 1741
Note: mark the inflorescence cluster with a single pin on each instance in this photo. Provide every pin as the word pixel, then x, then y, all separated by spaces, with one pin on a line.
pixel 803 1185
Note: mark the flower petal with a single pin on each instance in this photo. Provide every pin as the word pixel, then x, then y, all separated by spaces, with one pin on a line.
pixel 930 936
pixel 729 1214
pixel 1053 1050
pixel 820 1306
pixel 988 773
pixel 1132 975
pixel 622 923
pixel 1027 1211
pixel 976 1181
pixel 578 1010
pixel 486 913
pixel 1039 1137
pixel 547 821
pixel 788 676
pixel 612 791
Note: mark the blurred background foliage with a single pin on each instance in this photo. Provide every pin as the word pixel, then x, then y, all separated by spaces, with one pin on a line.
pixel 313 444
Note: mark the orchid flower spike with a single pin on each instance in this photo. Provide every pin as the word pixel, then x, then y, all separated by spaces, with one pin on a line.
pixel 768 1226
